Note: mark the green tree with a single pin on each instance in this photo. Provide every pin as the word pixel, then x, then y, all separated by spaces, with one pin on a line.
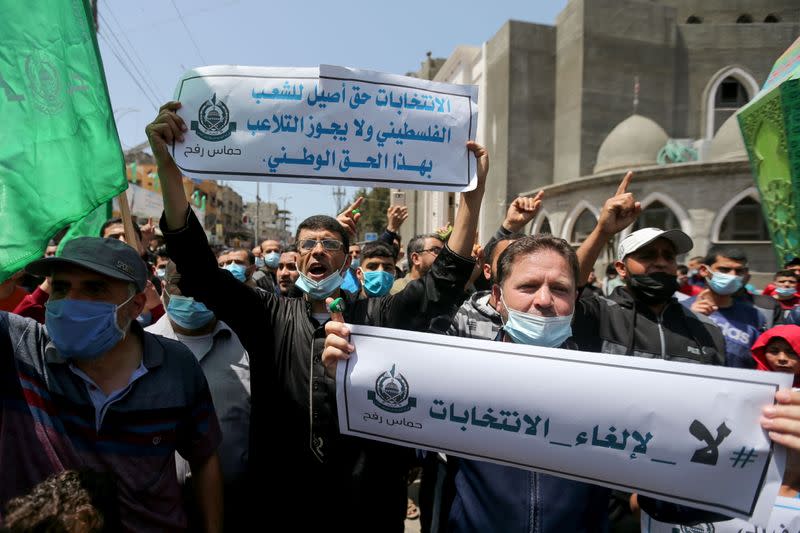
pixel 373 211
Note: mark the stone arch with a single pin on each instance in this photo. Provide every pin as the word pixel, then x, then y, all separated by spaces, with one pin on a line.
pixel 750 193
pixel 744 18
pixel 772 17
pixel 742 76
pixel 694 19
pixel 542 219
pixel 680 213
pixel 574 215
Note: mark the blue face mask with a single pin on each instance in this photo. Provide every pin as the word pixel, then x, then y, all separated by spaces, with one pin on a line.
pixel 83 329
pixel 161 273
pixel 260 262
pixel 355 263
pixel 785 292
pixel 188 313
pixel 724 284
pixel 319 290
pixel 272 259
pixel 239 272
pixel 547 331
pixel 377 282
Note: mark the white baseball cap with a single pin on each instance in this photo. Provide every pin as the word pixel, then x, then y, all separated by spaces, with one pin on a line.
pixel 642 237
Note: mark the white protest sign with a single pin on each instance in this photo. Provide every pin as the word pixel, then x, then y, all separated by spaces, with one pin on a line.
pixel 149 204
pixel 678 432
pixel 785 518
pixel 330 125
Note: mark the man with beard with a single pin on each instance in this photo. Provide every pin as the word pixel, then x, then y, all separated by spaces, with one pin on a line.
pixel 287 272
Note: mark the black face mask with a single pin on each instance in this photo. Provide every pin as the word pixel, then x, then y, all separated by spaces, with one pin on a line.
pixel 653 289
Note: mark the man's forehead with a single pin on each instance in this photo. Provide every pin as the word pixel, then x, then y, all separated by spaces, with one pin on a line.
pixel 379 260
pixel 288 257
pixel 727 261
pixel 542 263
pixel 355 247
pixel 114 228
pixel 318 234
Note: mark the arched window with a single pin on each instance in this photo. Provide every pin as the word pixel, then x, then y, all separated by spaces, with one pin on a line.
pixel 694 19
pixel 744 19
pixel 657 215
pixel 730 96
pixel 544 227
pixel 583 226
pixel 772 17
pixel 744 222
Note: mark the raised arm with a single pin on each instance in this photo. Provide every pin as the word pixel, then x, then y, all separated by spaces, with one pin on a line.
pixel 619 212
pixel 463 236
pixel 163 131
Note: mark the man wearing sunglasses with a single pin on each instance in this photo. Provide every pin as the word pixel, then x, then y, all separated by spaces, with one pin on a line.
pixel 322 478
pixel 421 251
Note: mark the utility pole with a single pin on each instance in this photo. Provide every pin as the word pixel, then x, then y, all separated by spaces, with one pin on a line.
pixel 338 195
pixel 256 240
pixel 285 212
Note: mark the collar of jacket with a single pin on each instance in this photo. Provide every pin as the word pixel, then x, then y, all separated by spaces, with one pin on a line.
pixel 623 297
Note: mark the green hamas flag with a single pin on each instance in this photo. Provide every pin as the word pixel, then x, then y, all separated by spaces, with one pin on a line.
pixel 88 226
pixel 60 156
pixel 770 126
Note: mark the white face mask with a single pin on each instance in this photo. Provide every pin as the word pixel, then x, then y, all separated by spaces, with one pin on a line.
pixel 547 331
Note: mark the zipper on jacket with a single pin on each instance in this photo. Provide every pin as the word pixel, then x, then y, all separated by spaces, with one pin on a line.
pixel 661 334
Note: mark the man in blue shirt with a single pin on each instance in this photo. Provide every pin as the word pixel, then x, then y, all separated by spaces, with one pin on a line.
pixel 724 270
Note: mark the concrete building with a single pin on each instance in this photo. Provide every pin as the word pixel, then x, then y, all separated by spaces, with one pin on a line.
pixel 272 223
pixel 229 221
pixel 648 85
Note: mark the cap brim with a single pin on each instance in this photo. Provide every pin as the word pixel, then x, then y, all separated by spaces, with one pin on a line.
pixel 683 243
pixel 45 267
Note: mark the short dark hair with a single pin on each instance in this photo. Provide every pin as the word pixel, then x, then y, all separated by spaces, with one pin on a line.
pixel 118 220
pixel 683 269
pixel 377 249
pixel 491 246
pixel 611 269
pixel 63 499
pixel 698 258
pixel 161 251
pixel 786 273
pixel 417 243
pixel 534 243
pixel 324 222
pixel 250 255
pixel 714 252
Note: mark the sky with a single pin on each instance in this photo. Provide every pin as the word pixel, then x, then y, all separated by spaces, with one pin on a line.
pixel 154 41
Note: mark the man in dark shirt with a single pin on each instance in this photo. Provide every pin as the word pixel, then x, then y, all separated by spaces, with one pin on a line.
pixel 319 472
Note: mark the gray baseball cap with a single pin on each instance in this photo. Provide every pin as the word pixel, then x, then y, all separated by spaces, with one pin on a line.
pixel 109 257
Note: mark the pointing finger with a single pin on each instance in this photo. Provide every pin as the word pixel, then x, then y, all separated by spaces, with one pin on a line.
pixel 623 186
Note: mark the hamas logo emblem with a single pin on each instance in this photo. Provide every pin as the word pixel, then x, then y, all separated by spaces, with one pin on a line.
pixel 699 528
pixel 391 393
pixel 44 80
pixel 212 121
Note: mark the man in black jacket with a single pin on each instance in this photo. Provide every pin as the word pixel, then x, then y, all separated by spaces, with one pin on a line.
pixel 321 478
pixel 642 318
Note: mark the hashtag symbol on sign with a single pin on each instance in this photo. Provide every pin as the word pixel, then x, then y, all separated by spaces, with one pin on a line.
pixel 743 456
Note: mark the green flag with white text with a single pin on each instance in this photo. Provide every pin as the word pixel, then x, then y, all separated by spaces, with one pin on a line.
pixel 60 156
